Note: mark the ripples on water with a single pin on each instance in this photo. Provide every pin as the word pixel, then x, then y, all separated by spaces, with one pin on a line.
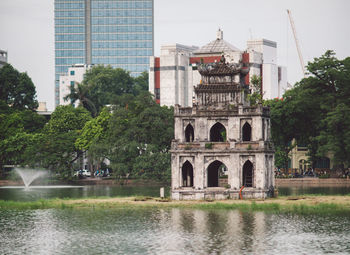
pixel 170 231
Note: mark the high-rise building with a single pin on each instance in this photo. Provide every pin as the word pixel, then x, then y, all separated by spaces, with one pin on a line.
pixel 110 32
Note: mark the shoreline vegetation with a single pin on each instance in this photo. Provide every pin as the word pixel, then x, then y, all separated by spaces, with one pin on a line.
pixel 285 204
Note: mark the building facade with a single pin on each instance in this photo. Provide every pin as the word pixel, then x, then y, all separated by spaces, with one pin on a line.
pixel 222 147
pixel 174 74
pixel 299 160
pixel 109 32
pixel 3 58
pixel 74 75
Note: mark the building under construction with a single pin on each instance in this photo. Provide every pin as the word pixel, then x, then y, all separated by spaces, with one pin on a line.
pixel 173 75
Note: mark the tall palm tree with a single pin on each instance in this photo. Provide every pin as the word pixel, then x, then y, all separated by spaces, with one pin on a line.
pixel 80 93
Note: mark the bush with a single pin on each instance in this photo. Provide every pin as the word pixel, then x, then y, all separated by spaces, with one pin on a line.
pixel 208 145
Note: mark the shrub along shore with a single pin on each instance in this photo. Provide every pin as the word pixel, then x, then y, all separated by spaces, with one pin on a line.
pixel 301 204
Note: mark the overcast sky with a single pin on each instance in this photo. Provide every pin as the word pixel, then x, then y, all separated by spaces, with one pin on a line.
pixel 27 31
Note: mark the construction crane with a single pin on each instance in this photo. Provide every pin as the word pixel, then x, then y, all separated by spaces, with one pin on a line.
pixel 297 42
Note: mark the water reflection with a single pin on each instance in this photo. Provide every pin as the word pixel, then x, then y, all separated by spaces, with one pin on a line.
pixel 31 194
pixel 170 231
pixel 215 231
pixel 34 193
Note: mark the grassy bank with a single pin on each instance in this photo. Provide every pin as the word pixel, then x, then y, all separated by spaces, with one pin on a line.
pixel 300 205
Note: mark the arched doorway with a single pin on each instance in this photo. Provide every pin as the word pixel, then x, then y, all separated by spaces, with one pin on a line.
pixel 187 174
pixel 189 133
pixel 214 170
pixel 218 133
pixel 247 132
pixel 248 174
pixel 303 166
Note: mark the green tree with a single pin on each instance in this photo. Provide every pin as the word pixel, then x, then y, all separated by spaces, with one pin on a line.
pixel 256 97
pixel 55 147
pixel 335 137
pixel 93 130
pixel 92 136
pixel 140 83
pixel 18 131
pixel 282 129
pixel 104 85
pixel 155 166
pixel 314 108
pixel 17 89
pixel 80 93
pixel 138 128
pixel 19 124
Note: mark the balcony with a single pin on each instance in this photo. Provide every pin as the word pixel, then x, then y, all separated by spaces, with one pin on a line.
pixel 202 145
pixel 207 145
pixel 247 145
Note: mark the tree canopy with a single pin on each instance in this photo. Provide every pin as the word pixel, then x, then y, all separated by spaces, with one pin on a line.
pixel 17 89
pixel 139 129
pixel 55 147
pixel 19 123
pixel 104 85
pixel 315 112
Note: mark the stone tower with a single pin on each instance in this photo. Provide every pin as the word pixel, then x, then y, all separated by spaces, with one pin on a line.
pixel 222 143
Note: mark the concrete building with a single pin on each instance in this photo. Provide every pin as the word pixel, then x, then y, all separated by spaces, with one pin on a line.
pixel 174 74
pixel 74 75
pixel 109 32
pixel 3 58
pixel 222 143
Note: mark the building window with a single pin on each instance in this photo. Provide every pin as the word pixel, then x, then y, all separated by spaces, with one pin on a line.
pixel 72 72
pixel 72 83
pixel 157 93
pixel 247 132
pixel 218 133
pixel 189 133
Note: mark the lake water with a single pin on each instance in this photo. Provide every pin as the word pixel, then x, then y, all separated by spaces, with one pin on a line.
pixel 45 192
pixel 170 231
pixel 164 231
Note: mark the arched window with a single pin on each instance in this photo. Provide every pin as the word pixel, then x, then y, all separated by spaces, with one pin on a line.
pixel 218 133
pixel 189 133
pixel 187 175
pixel 247 132
pixel 214 170
pixel 248 174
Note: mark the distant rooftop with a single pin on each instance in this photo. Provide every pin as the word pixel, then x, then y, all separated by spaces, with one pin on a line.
pixel 217 46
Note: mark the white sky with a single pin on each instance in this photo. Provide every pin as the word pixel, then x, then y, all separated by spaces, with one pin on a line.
pixel 27 31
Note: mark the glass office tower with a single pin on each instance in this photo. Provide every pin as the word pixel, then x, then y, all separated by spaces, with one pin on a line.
pixel 109 32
